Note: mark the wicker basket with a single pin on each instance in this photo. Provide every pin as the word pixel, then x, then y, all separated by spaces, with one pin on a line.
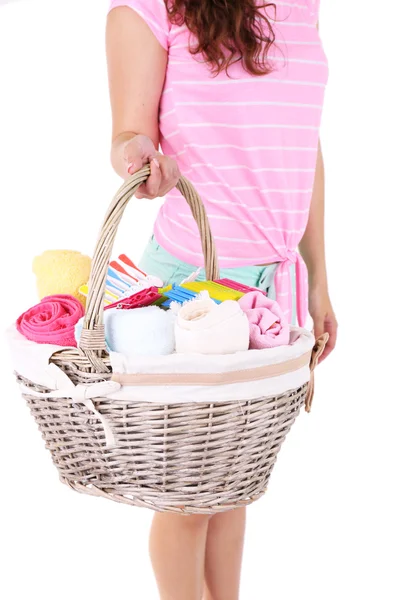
pixel 183 457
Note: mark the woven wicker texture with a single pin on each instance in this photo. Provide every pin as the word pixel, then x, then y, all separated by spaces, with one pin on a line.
pixel 193 458
pixel 186 457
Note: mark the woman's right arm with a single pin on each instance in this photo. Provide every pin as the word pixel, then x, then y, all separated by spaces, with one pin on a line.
pixel 136 69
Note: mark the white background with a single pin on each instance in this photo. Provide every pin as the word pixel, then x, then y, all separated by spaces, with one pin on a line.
pixel 329 526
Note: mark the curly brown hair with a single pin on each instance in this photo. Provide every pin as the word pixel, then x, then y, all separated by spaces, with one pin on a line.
pixel 227 32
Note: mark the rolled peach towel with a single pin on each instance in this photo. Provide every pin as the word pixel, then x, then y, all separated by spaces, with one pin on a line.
pixel 268 325
pixel 52 321
pixel 204 327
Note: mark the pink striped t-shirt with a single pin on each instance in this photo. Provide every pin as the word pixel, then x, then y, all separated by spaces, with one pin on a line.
pixel 248 144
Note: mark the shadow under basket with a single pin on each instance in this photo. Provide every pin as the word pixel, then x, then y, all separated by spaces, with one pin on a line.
pixel 177 456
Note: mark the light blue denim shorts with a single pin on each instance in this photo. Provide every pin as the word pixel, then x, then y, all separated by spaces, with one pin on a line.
pixel 160 263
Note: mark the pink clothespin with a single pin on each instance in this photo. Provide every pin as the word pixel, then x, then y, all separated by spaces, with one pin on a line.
pixel 240 287
pixel 145 297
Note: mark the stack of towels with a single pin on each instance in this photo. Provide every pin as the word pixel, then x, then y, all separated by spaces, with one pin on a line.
pixel 199 326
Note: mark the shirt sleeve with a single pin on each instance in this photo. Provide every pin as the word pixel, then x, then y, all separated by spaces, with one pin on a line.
pixel 153 12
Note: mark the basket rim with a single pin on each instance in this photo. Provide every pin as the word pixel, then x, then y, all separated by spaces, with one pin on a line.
pixel 213 379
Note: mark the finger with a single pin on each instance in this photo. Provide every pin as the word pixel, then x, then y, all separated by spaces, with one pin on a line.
pixel 151 189
pixel 133 158
pixel 170 175
pixel 328 349
pixel 137 152
pixel 331 327
pixel 319 326
pixel 169 184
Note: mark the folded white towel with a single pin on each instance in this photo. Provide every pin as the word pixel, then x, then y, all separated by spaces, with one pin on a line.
pixel 204 327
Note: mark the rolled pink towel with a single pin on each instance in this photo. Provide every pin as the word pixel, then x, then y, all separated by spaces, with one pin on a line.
pixel 268 325
pixel 52 321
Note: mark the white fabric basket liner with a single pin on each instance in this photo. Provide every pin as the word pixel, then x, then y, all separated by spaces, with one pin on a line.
pixel 32 361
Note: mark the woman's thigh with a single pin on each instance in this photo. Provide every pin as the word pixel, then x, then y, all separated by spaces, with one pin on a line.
pixel 160 263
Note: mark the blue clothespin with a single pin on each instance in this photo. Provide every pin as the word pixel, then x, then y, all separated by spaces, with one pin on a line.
pixel 179 294
pixel 115 278
pixel 113 288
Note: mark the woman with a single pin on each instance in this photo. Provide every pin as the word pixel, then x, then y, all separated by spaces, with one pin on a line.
pixel 233 92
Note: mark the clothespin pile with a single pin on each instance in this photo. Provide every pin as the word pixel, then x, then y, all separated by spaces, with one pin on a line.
pixel 129 287
pixel 219 291
pixel 125 279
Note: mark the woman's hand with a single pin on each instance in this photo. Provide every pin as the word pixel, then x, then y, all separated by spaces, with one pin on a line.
pixel 323 316
pixel 140 151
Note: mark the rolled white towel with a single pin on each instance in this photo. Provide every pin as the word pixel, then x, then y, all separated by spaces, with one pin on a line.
pixel 204 327
pixel 147 331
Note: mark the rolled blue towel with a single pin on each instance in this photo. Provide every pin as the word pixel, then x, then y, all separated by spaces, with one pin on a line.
pixel 147 331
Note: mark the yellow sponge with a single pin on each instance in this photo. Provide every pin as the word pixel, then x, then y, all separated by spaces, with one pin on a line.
pixel 61 272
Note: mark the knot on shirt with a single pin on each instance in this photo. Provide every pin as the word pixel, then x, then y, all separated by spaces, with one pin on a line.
pixel 292 256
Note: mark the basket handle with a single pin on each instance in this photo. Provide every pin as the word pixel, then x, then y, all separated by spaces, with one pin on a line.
pixel 92 341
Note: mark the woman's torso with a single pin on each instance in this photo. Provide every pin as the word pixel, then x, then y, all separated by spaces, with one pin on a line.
pixel 248 143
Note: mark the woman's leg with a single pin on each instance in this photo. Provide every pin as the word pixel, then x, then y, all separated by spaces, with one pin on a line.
pixel 224 551
pixel 177 550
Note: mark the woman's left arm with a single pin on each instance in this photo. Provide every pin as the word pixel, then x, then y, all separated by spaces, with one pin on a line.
pixel 312 248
